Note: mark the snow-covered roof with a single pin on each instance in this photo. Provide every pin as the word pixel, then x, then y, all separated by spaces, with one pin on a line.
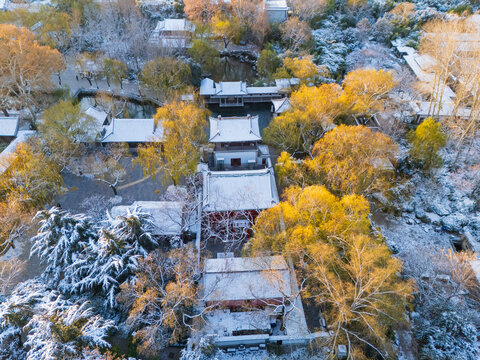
pixel 281 105
pixel 421 65
pixel 239 190
pixel 167 216
pixel 8 126
pixel 175 25
pixel 233 88
pixel 234 129
pixel 99 115
pixel 276 5
pixel 132 130
pixel 423 108
pixel 286 83
pixel 22 136
pixel 231 279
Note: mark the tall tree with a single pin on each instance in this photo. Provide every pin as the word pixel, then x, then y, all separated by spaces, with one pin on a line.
pixel 427 139
pixel 365 91
pixel 296 33
pixel 115 71
pixel 252 15
pixel 65 128
pixel 177 153
pixel 107 165
pixel 353 160
pixel 61 239
pixel 313 110
pixel 268 62
pixel 229 30
pixel 161 299
pixel 165 74
pixel 307 10
pixel 202 10
pixel 206 54
pixel 301 68
pixel 37 322
pixel 347 271
pixel 26 67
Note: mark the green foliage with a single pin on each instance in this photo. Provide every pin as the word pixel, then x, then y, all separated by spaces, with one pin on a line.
pixel 427 140
pixel 205 54
pixel 268 62
pixel 462 9
pixel 64 129
pixel 115 71
pixel 165 74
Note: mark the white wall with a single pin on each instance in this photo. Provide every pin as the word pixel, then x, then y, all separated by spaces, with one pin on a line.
pixel 243 155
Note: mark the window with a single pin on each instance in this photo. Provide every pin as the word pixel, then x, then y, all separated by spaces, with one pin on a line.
pixel 236 162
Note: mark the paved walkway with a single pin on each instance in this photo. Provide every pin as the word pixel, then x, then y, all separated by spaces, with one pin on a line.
pixel 69 78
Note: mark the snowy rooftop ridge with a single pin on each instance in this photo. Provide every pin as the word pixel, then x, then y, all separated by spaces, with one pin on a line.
pixel 208 87
pixel 234 129
pixel 175 25
pixel 233 279
pixel 281 105
pixel 276 4
pixel 239 190
pixel 9 126
pixel 242 264
pixel 132 130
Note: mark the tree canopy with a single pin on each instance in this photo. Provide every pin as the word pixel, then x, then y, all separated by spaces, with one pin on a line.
pixel 177 153
pixel 26 67
pixel 313 111
pixel 353 160
pixel 345 268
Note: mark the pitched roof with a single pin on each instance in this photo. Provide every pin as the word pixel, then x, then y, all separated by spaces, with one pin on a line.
pixel 246 278
pixel 239 190
pixel 276 5
pixel 8 126
pixel 175 25
pixel 233 88
pixel 234 129
pixel 281 105
pixel 167 215
pixel 132 130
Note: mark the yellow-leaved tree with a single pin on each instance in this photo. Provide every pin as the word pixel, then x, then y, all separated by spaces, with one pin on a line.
pixel 177 153
pixel 347 271
pixel 353 160
pixel 312 112
pixel 365 91
pixel 26 67
pixel 161 300
pixel 30 180
pixel 302 68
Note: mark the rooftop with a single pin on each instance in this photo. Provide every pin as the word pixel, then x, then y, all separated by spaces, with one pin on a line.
pixel 132 130
pixel 175 25
pixel 8 126
pixel 99 115
pixel 276 4
pixel 239 190
pixel 234 129
pixel 281 105
pixel 167 215
pixel 231 279
pixel 233 88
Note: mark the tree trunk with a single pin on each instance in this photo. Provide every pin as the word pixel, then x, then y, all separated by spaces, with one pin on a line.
pixel 114 188
pixel 5 112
